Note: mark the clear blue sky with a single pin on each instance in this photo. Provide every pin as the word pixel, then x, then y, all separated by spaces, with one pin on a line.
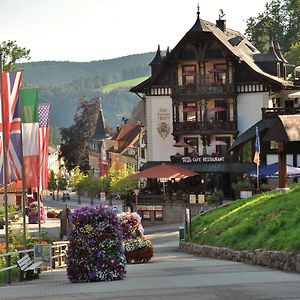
pixel 85 30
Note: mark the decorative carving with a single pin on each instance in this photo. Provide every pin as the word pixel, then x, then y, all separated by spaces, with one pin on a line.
pixel 163 129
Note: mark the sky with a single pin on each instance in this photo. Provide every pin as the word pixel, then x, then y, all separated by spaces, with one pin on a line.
pixel 87 30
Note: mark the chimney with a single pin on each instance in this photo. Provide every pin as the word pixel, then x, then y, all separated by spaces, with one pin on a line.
pixel 221 24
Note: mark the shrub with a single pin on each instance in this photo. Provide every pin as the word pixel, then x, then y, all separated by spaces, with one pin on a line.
pixel 264 187
pixel 95 251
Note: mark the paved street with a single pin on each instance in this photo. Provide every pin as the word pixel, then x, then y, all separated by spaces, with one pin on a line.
pixel 169 275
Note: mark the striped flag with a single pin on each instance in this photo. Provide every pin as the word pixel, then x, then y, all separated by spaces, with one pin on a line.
pixel 30 135
pixel 257 149
pixel 44 134
pixel 11 84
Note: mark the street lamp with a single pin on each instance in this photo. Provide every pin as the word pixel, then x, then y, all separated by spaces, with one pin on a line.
pixel 136 192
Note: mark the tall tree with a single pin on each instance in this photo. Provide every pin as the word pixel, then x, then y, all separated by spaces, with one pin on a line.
pixel 76 138
pixel 12 53
pixel 269 24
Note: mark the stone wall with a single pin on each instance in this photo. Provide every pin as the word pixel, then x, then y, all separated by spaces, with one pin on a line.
pixel 286 261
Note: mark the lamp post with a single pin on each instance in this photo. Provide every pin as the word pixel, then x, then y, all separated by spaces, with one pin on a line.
pixel 136 193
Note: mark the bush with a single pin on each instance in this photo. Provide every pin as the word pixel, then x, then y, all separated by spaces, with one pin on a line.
pixel 95 251
pixel 241 185
pixel 264 187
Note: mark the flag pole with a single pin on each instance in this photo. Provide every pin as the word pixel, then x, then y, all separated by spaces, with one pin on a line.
pixel 8 274
pixel 257 177
pixel 24 196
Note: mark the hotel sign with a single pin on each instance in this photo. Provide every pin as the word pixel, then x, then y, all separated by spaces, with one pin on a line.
pixel 202 159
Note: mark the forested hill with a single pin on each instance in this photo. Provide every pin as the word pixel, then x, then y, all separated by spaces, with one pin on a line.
pixel 63 84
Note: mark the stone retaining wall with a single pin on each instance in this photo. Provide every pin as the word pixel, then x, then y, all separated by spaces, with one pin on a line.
pixel 286 261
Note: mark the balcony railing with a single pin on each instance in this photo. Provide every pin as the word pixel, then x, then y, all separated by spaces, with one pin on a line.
pixel 205 126
pixel 203 85
pixel 271 113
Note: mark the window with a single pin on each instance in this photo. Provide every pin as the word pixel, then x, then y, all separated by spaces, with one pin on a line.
pixel 193 144
pixel 222 108
pixel 273 145
pixel 220 73
pixel 143 153
pixel 158 215
pixel 146 215
pixel 222 149
pixel 189 111
pixel 189 75
pixel 246 152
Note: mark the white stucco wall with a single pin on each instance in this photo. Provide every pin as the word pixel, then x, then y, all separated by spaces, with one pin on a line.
pixel 249 109
pixel 159 128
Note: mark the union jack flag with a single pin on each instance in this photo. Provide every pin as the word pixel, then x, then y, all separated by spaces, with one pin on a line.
pixel 11 87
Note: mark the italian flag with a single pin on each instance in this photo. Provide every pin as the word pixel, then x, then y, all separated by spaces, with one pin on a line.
pixel 30 136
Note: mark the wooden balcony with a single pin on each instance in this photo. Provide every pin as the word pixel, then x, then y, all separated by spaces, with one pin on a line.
pixel 198 127
pixel 203 86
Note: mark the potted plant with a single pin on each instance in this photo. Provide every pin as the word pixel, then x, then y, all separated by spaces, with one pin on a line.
pixel 242 189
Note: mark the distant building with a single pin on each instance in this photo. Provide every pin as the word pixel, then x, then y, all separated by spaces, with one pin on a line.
pixel 100 142
pixel 124 148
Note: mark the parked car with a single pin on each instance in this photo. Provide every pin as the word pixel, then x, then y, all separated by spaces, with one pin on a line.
pixel 65 196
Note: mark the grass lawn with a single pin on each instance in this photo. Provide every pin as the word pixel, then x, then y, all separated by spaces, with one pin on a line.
pixel 269 221
pixel 122 84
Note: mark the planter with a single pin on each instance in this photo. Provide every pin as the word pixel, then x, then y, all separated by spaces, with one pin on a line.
pixel 139 250
pixel 245 194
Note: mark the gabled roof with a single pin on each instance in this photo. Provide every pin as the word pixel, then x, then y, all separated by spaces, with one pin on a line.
pixel 285 129
pixel 125 137
pixel 234 41
pixel 100 131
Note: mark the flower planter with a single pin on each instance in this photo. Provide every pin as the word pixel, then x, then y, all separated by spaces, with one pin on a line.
pixel 138 250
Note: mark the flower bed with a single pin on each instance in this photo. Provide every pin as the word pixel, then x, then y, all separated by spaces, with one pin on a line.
pixel 95 251
pixel 137 248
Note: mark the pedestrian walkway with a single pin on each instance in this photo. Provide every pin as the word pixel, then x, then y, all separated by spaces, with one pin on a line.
pixel 169 275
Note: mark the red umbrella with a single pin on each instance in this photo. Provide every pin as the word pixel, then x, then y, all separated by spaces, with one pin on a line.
pixel 217 143
pixel 164 171
pixel 181 144
pixel 217 109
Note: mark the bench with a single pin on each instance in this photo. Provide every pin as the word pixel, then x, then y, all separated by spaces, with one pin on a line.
pixel 29 267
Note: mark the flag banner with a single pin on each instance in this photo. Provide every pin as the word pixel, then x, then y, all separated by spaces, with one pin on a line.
pixel 11 84
pixel 30 133
pixel 44 135
pixel 257 149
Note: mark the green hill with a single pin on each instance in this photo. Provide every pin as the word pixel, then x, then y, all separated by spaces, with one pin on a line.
pixel 269 221
pixel 122 84
pixel 63 84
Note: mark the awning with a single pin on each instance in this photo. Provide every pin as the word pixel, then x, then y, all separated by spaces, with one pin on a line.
pixel 272 171
pixel 164 170
pixel 220 167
